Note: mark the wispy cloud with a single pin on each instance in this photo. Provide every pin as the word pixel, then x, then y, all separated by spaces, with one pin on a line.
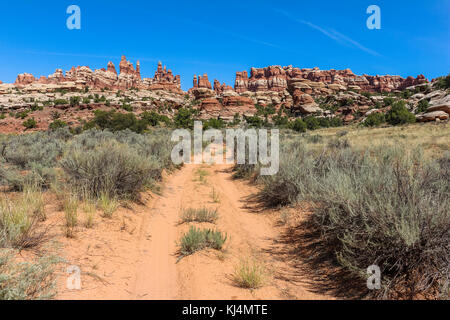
pixel 233 34
pixel 332 34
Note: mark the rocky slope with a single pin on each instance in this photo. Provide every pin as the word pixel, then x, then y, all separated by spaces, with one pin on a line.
pixel 323 93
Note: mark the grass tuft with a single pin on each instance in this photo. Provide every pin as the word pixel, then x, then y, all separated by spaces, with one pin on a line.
pixel 249 274
pixel 197 239
pixel 199 215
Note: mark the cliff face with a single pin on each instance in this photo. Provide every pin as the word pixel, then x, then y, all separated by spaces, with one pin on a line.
pixel 276 78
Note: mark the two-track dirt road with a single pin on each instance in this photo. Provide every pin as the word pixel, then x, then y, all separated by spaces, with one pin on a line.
pixel 144 264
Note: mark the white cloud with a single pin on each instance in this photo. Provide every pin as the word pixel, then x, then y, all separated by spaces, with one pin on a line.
pixel 332 34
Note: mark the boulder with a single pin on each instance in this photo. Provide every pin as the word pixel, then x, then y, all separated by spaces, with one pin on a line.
pixel 432 116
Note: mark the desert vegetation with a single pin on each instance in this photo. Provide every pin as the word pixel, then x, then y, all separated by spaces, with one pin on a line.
pixel 91 171
pixel 381 202
pixel 374 193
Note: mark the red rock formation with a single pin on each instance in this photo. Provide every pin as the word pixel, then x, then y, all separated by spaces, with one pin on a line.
pixel 276 78
pixel 203 82
pixel 220 88
pixel 241 83
pixel 24 78
pixel 163 80
pixel 111 68
pixel 410 81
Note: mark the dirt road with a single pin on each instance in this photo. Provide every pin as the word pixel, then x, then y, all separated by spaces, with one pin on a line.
pixel 143 262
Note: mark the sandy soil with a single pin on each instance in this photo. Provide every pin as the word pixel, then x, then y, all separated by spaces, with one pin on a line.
pixel 134 255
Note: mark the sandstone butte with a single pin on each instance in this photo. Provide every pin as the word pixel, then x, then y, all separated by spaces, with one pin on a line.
pixel 293 88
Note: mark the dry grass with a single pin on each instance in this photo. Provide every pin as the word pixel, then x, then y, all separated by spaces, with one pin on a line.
pixel 71 215
pixel 89 208
pixel 249 274
pixel 215 196
pixel 199 215
pixel 433 138
pixel 108 205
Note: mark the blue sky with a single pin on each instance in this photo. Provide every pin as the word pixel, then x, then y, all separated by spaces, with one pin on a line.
pixel 222 37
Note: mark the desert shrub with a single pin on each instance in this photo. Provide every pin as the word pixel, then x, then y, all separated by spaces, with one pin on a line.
pixel 312 123
pixel 422 106
pixel 18 222
pixel 154 119
pixel 110 168
pixel 12 178
pixel 335 122
pixel 74 101
pixel 374 119
pixel 249 274
pixel 384 206
pixel 116 121
pixel 280 121
pixel 298 125
pixel 22 115
pixel 197 239
pixel 315 138
pixel 341 143
pixel 442 82
pixel 56 124
pixel 86 100
pixel 42 147
pixel 25 280
pixel 199 215
pixel 324 122
pixel 388 101
pixel 213 124
pixel 60 101
pixel 399 114
pixel 184 118
pixel 30 123
pixel 254 121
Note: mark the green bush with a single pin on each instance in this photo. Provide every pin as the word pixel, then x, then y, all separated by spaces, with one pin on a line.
pixel 312 123
pixel 21 115
pixel 197 239
pixel 110 168
pixel 388 101
pixel 443 82
pixel 254 121
pixel 335 122
pixel 422 106
pixel 27 281
pixel 399 114
pixel 184 118
pixel 116 121
pixel 74 101
pixel 298 125
pixel 30 123
pixel 213 124
pixel 60 101
pixel 154 119
pixel 384 206
pixel 374 119
pixel 41 147
pixel 57 124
